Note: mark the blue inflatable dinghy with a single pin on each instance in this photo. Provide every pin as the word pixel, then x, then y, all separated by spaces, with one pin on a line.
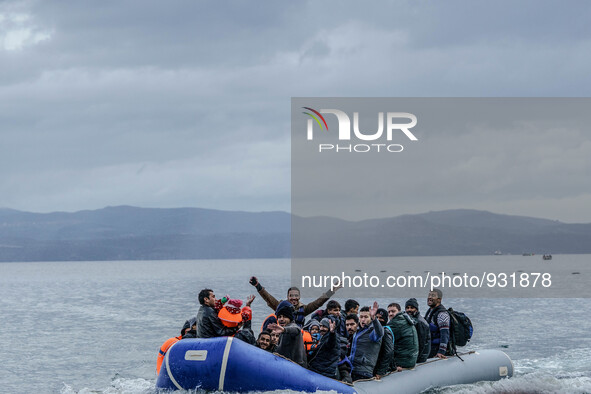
pixel 228 364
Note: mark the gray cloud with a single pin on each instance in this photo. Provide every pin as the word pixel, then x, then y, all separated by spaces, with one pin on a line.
pixel 187 103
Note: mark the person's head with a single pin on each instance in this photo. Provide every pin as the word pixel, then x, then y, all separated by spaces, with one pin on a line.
pixel 264 340
pixel 324 326
pixel 190 325
pixel 314 327
pixel 364 317
pixel 207 298
pixel 284 313
pixel 412 306
pixel 333 308
pixel 393 310
pixel 382 316
pixel 274 338
pixel 293 296
pixel 351 323
pixel 434 298
pixel 351 307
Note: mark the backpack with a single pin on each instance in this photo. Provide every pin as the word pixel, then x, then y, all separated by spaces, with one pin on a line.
pixel 461 329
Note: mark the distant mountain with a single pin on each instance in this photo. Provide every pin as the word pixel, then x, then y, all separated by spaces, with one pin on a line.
pixel 131 233
pixel 443 233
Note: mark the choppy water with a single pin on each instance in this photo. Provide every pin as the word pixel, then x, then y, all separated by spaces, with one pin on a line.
pixel 95 327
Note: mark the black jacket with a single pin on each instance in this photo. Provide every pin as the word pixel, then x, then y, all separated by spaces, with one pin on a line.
pixel 291 344
pixel 210 326
pixel 423 336
pixel 326 356
pixel 245 334
pixel 386 357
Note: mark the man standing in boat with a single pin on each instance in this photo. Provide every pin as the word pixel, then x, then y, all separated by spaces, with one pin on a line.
pixel 439 323
pixel 293 297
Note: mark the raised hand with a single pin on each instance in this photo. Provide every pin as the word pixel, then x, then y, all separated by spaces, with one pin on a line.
pixel 250 299
pixel 276 328
pixel 332 325
pixel 373 310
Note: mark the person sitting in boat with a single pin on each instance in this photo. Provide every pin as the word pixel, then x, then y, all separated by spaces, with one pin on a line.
pixel 274 339
pixel 293 296
pixel 406 344
pixel 186 332
pixel 208 323
pixel 312 328
pixel 351 307
pixel 240 319
pixel 325 356
pixel 264 341
pixel 423 333
pixel 189 329
pixel 333 308
pixel 291 343
pixel 385 362
pixel 365 339
pixel 439 324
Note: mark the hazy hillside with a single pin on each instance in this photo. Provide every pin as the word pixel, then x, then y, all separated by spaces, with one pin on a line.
pixel 131 233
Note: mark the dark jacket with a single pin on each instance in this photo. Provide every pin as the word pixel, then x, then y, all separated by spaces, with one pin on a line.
pixel 302 310
pixel 365 348
pixel 326 356
pixel 406 344
pixel 423 336
pixel 245 334
pixel 291 344
pixel 209 325
pixel 385 362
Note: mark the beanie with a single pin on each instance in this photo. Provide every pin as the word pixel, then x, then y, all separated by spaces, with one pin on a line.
pixel 412 302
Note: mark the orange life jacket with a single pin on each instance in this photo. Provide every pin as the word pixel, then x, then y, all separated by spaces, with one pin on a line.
pixel 308 340
pixel 163 349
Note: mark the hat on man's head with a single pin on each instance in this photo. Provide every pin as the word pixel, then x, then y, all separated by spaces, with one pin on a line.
pixel 383 314
pixel 285 309
pixel 412 302
pixel 325 322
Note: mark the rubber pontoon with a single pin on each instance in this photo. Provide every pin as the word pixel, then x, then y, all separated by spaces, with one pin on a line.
pixel 226 364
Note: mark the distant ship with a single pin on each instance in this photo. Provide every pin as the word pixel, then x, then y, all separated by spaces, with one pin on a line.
pixel 497 253
pixel 547 257
pixel 528 254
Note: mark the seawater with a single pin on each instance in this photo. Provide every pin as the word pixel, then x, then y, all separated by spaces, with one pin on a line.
pixel 96 327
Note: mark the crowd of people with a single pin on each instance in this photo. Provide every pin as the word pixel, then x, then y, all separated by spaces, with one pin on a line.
pixel 351 343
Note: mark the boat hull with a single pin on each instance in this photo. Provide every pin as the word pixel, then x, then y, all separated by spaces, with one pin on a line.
pixel 227 364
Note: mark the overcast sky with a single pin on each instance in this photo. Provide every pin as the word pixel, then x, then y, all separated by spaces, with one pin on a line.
pixel 187 103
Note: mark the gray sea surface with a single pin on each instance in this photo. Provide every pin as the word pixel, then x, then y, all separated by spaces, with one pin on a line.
pixel 96 327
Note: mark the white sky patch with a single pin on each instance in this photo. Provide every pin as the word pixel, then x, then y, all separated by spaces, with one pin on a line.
pixel 18 31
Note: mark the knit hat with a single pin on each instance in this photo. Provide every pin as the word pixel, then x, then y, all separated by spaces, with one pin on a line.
pixel 230 315
pixel 325 322
pixel 383 314
pixel 412 302
pixel 246 313
pixel 313 323
pixel 285 309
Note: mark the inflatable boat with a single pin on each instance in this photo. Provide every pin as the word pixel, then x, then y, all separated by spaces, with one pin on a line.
pixel 228 364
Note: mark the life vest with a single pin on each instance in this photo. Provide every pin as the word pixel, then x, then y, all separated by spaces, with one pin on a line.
pixel 309 342
pixel 163 349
